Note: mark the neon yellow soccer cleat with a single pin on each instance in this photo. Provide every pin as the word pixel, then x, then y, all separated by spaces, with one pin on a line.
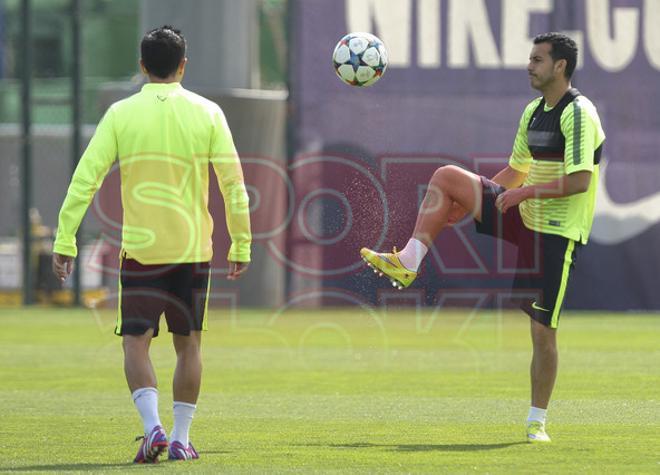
pixel 388 264
pixel 536 433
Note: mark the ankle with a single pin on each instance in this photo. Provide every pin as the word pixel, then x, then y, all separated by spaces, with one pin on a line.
pixel 146 402
pixel 183 416
pixel 412 255
pixel 536 414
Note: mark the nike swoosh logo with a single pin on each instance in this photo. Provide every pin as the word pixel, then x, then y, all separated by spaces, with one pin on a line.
pixel 536 307
pixel 383 258
pixel 161 98
pixel 615 223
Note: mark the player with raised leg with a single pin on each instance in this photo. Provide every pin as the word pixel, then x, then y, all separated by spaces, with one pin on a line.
pixel 164 138
pixel 543 202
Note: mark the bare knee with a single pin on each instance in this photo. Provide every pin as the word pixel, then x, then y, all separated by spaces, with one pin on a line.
pixel 452 181
pixel 187 345
pixel 445 175
pixel 136 344
pixel 544 338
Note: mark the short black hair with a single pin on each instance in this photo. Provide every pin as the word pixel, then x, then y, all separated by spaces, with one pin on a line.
pixel 563 47
pixel 162 50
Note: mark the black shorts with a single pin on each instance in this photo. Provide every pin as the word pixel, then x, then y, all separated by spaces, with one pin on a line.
pixel 147 291
pixel 544 261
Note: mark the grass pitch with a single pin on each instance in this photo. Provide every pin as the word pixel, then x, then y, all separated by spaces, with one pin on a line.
pixel 337 390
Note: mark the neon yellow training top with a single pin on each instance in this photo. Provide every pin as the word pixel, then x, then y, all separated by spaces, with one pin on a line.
pixel 164 137
pixel 579 124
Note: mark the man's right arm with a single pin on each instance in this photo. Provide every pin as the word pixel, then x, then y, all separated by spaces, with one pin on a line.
pixel 88 177
pixel 513 176
pixel 509 177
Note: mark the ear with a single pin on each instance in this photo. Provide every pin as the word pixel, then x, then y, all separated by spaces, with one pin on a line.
pixel 182 65
pixel 560 66
pixel 142 68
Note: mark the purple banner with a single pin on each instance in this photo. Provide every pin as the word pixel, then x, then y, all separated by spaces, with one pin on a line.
pixel 453 93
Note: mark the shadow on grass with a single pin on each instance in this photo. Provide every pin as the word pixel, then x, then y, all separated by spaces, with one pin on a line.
pixel 88 467
pixel 429 447
pixel 70 466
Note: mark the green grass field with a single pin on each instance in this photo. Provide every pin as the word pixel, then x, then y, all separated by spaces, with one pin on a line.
pixel 347 391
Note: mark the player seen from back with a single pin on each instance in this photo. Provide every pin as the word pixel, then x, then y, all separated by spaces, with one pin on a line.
pixel 164 138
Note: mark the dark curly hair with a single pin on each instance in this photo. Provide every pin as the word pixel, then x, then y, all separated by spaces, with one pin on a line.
pixel 563 47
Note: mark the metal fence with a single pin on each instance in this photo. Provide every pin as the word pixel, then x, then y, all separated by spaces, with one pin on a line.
pixel 61 64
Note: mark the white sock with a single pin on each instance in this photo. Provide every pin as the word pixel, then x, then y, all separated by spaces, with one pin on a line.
pixel 183 416
pixel 412 255
pixel 536 414
pixel 146 401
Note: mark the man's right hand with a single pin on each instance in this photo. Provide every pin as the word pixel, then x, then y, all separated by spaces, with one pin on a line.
pixel 236 270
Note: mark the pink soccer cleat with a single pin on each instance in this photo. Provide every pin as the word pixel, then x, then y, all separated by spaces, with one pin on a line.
pixel 178 452
pixel 153 444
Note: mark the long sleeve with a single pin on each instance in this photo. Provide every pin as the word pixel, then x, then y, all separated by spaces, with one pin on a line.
pixel 87 179
pixel 227 167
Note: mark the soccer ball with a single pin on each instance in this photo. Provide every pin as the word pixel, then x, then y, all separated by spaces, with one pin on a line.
pixel 360 59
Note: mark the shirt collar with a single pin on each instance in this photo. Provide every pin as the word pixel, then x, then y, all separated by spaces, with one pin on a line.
pixel 161 86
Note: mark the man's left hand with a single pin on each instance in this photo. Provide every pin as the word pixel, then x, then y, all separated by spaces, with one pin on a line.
pixel 62 266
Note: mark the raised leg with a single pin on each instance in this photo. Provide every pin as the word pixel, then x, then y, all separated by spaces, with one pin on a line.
pixel 449 184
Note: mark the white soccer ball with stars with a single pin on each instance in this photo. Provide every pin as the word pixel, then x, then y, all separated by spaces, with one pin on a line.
pixel 360 59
